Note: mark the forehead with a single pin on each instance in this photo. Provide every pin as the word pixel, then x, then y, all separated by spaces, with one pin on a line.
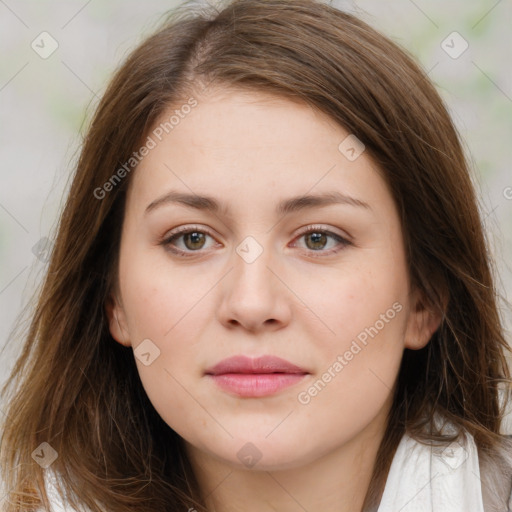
pixel 246 144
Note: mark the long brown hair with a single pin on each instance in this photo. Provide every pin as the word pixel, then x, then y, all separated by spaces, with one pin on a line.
pixel 78 390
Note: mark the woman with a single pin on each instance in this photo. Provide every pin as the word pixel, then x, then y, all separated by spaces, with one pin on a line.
pixel 270 288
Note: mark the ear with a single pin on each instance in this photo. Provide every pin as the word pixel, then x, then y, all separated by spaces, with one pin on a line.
pixel 117 320
pixel 422 323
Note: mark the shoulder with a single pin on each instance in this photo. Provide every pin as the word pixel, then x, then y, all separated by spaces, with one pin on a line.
pixel 455 477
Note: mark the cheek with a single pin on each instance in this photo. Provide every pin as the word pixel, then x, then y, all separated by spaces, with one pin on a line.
pixel 159 302
pixel 360 363
pixel 367 311
pixel 361 358
pixel 167 310
pixel 364 302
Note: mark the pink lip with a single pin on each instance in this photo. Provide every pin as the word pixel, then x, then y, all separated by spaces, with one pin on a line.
pixel 263 376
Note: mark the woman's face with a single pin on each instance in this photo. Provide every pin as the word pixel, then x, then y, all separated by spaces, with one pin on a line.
pixel 248 280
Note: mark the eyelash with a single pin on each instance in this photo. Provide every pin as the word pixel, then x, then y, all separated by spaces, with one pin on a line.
pixel 178 233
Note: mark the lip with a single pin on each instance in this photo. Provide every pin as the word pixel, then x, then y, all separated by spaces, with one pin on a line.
pixel 255 377
pixel 263 364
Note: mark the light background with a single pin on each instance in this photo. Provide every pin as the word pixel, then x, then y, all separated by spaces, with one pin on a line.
pixel 45 105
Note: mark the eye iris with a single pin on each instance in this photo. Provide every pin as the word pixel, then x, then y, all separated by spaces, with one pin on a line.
pixel 194 236
pixel 316 237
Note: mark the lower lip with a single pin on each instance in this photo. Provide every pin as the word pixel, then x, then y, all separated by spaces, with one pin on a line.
pixel 254 385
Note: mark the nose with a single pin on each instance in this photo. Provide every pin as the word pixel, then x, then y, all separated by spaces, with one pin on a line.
pixel 254 295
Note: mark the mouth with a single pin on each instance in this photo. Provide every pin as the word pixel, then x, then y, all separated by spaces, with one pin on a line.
pixel 251 378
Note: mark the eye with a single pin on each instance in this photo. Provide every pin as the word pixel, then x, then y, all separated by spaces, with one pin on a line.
pixel 193 238
pixel 317 238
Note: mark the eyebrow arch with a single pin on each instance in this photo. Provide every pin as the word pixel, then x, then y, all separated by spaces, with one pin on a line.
pixel 285 207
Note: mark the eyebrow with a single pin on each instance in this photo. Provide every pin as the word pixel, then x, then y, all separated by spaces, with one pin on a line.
pixel 285 207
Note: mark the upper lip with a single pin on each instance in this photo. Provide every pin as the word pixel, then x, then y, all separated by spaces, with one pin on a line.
pixel 263 364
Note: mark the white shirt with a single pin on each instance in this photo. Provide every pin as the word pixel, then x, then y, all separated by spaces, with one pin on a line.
pixel 425 479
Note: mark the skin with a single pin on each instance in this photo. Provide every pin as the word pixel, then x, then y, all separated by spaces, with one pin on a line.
pixel 250 150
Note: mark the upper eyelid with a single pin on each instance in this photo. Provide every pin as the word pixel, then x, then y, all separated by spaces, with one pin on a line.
pixel 304 230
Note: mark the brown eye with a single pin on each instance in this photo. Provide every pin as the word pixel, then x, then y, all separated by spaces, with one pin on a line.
pixel 316 239
pixel 193 240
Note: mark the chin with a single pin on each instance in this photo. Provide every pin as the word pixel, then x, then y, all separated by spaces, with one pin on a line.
pixel 260 454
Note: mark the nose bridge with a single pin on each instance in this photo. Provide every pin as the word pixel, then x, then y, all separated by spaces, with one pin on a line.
pixel 252 258
pixel 252 295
